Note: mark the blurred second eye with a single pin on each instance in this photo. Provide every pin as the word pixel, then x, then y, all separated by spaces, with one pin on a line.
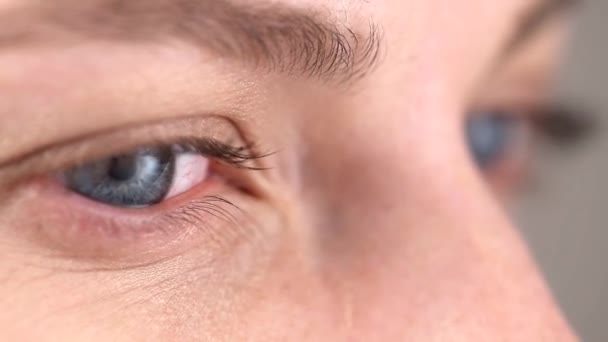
pixel 141 178
pixel 492 136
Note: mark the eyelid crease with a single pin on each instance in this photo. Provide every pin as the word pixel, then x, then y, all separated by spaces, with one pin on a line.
pixel 213 135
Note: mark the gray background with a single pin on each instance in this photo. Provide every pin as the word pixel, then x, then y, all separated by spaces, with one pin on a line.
pixel 564 219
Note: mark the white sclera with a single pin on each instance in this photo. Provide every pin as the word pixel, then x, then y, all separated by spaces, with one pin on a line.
pixel 190 170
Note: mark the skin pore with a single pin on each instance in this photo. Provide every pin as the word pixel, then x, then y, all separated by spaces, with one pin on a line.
pixel 342 204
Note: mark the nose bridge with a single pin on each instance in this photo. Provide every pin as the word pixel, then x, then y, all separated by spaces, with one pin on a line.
pixel 407 228
pixel 458 270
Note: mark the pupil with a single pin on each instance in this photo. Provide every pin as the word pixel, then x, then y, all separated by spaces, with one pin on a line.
pixel 123 168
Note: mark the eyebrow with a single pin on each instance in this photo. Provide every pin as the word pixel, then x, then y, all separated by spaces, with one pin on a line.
pixel 273 37
pixel 533 20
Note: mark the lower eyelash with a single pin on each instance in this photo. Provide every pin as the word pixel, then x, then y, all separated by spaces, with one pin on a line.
pixel 193 212
pixel 72 228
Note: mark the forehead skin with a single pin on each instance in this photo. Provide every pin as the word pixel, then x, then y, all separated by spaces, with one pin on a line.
pixel 391 260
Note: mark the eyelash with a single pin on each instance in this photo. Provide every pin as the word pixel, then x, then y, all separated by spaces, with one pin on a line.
pixel 152 174
pixel 558 124
pixel 219 153
pixel 562 125
pixel 111 227
pixel 232 155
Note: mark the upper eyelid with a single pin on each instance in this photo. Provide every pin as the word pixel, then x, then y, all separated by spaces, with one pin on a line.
pixel 535 20
pixel 103 144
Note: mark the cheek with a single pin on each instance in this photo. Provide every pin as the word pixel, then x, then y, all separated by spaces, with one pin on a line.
pixel 201 293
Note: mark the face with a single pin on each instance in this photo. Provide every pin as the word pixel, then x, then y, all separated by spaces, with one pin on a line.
pixel 271 170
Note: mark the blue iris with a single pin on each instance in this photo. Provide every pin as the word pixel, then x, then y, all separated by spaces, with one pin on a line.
pixel 136 179
pixel 489 136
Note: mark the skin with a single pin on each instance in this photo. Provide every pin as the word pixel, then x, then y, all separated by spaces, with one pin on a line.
pixel 373 223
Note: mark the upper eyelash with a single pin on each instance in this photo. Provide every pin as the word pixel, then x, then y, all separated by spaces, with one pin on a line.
pixel 559 124
pixel 564 125
pixel 238 156
pixel 189 131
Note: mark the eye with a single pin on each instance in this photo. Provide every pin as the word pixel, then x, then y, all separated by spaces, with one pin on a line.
pixel 139 195
pixel 503 142
pixel 140 178
pixel 492 136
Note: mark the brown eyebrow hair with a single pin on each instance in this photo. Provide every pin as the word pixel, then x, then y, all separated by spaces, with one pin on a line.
pixel 274 37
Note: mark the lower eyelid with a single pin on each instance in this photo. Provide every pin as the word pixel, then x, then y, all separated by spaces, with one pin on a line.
pixel 69 225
